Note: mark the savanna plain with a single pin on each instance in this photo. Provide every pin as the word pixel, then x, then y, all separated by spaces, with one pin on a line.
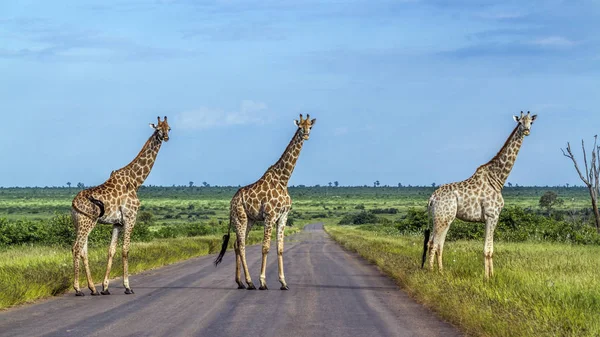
pixel 546 253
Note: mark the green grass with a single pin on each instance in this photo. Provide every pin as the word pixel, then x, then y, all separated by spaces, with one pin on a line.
pixel 539 289
pixel 177 204
pixel 29 273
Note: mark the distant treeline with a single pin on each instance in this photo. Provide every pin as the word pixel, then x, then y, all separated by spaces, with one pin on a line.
pixel 223 192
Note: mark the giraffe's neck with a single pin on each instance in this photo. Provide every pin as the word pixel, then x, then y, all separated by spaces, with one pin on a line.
pixel 500 166
pixel 141 165
pixel 284 167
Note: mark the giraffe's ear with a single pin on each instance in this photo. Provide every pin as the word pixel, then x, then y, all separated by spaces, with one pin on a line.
pixel 313 121
pixel 517 118
pixel 533 117
pixel 296 122
pixel 152 125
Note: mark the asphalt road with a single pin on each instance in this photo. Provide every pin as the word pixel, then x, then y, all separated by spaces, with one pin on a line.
pixel 332 293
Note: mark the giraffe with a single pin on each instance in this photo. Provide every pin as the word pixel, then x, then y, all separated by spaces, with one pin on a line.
pixel 114 202
pixel 265 200
pixel 477 199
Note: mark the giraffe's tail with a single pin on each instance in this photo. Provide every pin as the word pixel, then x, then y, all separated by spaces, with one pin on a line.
pixel 427 233
pixel 223 249
pixel 82 210
pixel 98 203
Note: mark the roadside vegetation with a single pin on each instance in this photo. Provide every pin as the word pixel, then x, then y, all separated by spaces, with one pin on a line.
pixel 538 288
pixel 31 272
pixel 546 248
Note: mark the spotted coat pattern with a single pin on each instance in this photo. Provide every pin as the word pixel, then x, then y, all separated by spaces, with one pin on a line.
pixel 114 202
pixel 267 200
pixel 477 199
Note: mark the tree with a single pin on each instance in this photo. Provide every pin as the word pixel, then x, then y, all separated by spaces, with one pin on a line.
pixel 433 185
pixel 146 217
pixel 191 184
pixel 330 184
pixel 509 184
pixel 205 184
pixel 399 184
pixel 567 184
pixel 80 185
pixel 69 184
pixel 591 178
pixel 376 183
pixel 336 183
pixel 550 199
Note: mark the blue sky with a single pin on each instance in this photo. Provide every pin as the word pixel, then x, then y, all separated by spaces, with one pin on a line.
pixel 404 91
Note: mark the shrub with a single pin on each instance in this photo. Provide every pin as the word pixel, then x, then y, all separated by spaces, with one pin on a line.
pixel 515 224
pixel 415 220
pixel 550 199
pixel 390 210
pixel 167 232
pixel 359 218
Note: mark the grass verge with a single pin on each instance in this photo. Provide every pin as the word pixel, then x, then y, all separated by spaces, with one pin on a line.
pixel 538 289
pixel 29 273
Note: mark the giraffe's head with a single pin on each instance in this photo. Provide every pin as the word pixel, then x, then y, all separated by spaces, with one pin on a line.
pixel 162 129
pixel 304 125
pixel 525 121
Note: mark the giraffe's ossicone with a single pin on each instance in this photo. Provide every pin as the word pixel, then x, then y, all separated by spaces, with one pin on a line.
pixel 265 200
pixel 477 199
pixel 114 202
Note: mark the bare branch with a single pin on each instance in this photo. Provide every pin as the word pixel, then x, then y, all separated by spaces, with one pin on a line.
pixel 596 165
pixel 587 171
pixel 570 155
pixel 592 174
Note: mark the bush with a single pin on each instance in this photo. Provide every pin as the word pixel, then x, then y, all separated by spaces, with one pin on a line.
pixel 550 199
pixel 59 230
pixel 359 218
pixel 166 232
pixel 390 210
pixel 415 220
pixel 515 224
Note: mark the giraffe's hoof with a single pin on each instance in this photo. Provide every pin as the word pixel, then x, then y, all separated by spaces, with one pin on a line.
pixel 79 293
pixel 105 292
pixel 263 287
pixel 251 286
pixel 95 293
pixel 241 286
pixel 129 291
pixel 284 287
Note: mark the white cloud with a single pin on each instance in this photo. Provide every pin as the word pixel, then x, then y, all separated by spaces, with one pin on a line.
pixel 554 41
pixel 250 112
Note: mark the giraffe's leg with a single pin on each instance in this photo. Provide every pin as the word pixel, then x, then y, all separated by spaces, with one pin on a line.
pixel 432 244
pixel 238 256
pixel 238 262
pixel 241 228
pixel 83 226
pixel 280 229
pixel 443 215
pixel 440 245
pixel 126 244
pixel 269 221
pixel 88 273
pixel 488 249
pixel 111 252
pixel 441 224
pixel 129 217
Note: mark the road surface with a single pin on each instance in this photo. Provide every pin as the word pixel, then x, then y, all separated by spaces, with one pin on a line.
pixel 332 293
